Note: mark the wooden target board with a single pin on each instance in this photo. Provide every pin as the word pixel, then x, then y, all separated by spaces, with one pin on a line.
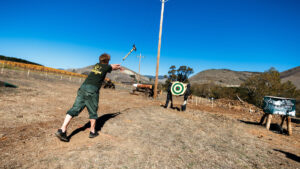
pixel 178 88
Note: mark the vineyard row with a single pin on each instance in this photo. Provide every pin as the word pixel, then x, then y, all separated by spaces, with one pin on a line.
pixel 40 68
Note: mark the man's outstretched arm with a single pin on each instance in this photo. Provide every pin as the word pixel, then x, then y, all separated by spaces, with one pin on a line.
pixel 116 67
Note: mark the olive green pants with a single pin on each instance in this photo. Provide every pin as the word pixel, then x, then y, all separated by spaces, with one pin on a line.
pixel 85 99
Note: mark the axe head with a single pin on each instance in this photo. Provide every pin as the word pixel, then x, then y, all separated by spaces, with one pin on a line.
pixel 134 48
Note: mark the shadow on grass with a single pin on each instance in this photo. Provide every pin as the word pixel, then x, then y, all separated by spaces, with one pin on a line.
pixel 289 155
pixel 99 123
pixel 273 127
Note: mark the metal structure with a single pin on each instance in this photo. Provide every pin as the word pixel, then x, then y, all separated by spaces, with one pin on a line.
pixel 279 105
pixel 107 83
pixel 159 45
pixel 147 89
pixel 139 77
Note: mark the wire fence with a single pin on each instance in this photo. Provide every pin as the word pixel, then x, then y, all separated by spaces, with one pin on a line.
pixel 31 67
pixel 31 71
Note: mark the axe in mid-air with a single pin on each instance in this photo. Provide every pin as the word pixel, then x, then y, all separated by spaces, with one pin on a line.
pixel 133 49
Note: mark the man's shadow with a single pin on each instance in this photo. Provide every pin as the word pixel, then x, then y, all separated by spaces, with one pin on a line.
pixel 100 121
pixel 289 155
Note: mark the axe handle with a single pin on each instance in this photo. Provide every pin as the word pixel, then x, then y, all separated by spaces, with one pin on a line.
pixel 128 54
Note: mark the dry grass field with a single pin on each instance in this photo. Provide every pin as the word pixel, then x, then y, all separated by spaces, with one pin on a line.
pixel 135 132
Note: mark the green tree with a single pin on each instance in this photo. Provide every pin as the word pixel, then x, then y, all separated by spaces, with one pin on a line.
pixel 183 72
pixel 267 83
pixel 172 73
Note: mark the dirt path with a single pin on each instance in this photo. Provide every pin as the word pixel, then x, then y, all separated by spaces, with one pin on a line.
pixel 135 132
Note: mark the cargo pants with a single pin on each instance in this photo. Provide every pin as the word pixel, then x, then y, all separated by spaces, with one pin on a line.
pixel 87 96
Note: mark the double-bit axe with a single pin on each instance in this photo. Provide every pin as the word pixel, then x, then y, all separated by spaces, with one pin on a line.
pixel 133 49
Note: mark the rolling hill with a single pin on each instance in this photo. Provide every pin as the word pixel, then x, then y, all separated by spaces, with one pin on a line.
pixel 126 76
pixel 226 77
pixel 223 77
pixel 292 75
pixel 2 57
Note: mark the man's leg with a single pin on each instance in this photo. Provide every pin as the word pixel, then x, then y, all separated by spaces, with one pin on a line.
pixel 61 133
pixel 186 95
pixel 92 106
pixel 169 98
pixel 93 132
pixel 67 120
pixel 78 106
pixel 93 124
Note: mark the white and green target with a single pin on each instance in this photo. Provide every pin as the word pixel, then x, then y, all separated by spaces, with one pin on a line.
pixel 178 88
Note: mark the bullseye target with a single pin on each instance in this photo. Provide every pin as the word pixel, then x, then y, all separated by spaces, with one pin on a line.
pixel 178 88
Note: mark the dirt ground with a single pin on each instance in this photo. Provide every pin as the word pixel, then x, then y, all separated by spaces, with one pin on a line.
pixel 135 132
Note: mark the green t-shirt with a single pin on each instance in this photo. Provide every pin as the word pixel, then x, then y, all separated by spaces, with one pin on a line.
pixel 97 76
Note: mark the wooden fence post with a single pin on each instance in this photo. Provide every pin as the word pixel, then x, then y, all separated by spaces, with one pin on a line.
pixel 28 72
pixel 2 68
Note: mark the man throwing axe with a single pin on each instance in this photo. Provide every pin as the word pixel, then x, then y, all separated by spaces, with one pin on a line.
pixel 88 96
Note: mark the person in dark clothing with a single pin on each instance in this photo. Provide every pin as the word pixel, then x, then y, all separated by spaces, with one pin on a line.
pixel 169 97
pixel 180 78
pixel 185 97
pixel 88 96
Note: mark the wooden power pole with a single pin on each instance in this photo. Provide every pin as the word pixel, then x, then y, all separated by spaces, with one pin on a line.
pixel 159 44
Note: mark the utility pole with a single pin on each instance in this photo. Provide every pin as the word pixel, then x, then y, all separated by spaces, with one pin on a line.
pixel 159 44
pixel 140 67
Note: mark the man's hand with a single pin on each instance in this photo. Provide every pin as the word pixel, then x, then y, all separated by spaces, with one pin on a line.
pixel 116 66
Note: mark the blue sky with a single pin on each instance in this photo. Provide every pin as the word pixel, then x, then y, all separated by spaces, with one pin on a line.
pixel 242 35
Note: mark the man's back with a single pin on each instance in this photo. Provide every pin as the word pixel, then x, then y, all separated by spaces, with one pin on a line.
pixel 97 76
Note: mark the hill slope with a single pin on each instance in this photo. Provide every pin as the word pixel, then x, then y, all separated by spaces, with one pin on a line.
pixel 17 60
pixel 292 75
pixel 124 76
pixel 224 77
